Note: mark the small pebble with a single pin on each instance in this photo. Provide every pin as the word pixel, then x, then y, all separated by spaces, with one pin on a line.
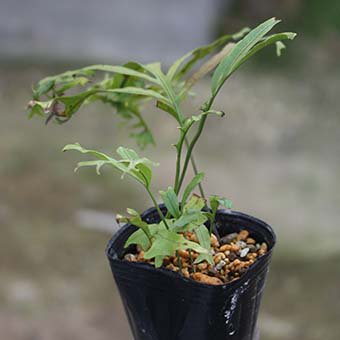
pixel 241 244
pixel 212 271
pixel 243 235
pixel 207 279
pixel 232 256
pixel 244 252
pixel 220 265
pixel 202 266
pixel 228 238
pixel 250 240
pixel 130 257
pixel 264 246
pixel 252 248
pixel 213 240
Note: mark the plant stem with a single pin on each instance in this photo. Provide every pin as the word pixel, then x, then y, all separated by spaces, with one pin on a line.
pixel 189 151
pixel 179 147
pixel 193 142
pixel 191 261
pixel 161 215
pixel 194 167
pixel 179 262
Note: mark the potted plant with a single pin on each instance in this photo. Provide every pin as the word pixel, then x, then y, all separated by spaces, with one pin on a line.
pixel 184 268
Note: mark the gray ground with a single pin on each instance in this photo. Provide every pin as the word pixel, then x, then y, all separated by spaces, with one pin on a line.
pixel 276 154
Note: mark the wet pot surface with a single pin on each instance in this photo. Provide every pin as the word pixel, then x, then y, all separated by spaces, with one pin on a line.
pixel 162 305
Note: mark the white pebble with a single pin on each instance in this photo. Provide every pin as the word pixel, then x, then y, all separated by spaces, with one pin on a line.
pixel 220 265
pixel 244 252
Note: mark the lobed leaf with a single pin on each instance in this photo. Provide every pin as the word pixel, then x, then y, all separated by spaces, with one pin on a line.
pixel 189 220
pixel 130 164
pixel 167 242
pixel 140 238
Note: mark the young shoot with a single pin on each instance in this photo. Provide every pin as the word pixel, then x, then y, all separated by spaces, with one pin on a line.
pixel 126 88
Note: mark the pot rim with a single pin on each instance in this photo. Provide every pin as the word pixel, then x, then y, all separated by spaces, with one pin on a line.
pixel 113 256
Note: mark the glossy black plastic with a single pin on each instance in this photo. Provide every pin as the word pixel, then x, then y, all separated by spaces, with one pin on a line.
pixel 162 305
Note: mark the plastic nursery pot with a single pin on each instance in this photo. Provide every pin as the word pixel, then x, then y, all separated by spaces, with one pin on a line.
pixel 163 305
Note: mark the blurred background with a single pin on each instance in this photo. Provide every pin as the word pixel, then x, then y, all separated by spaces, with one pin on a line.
pixel 276 155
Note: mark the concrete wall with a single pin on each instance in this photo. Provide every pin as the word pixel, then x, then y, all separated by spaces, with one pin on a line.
pixel 105 29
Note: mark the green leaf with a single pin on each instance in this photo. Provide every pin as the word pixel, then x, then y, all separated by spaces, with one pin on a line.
pixel 195 203
pixel 138 91
pixel 130 164
pixel 167 242
pixel 80 81
pixel 44 86
pixel 36 110
pixel 280 46
pixel 201 52
pixel 216 201
pixel 203 237
pixel 167 108
pixel 132 212
pixel 189 221
pixel 73 103
pixel 188 122
pixel 272 39
pixel 171 202
pixel 140 237
pixel 159 261
pixel 214 204
pixel 225 202
pixel 64 79
pixel 165 83
pixel 191 186
pixel 122 70
pixel 239 52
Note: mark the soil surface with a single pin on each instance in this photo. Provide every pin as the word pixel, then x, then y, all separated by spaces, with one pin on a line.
pixel 232 256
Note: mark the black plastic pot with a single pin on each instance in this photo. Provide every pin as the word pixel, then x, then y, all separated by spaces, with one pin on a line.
pixel 162 305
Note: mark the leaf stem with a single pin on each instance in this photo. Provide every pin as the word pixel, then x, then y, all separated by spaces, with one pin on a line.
pixel 194 167
pixel 189 151
pixel 194 141
pixel 161 215
pixel 191 261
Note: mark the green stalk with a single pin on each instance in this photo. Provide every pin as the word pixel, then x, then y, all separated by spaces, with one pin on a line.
pixel 193 142
pixel 189 151
pixel 161 215
pixel 179 147
pixel 194 167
